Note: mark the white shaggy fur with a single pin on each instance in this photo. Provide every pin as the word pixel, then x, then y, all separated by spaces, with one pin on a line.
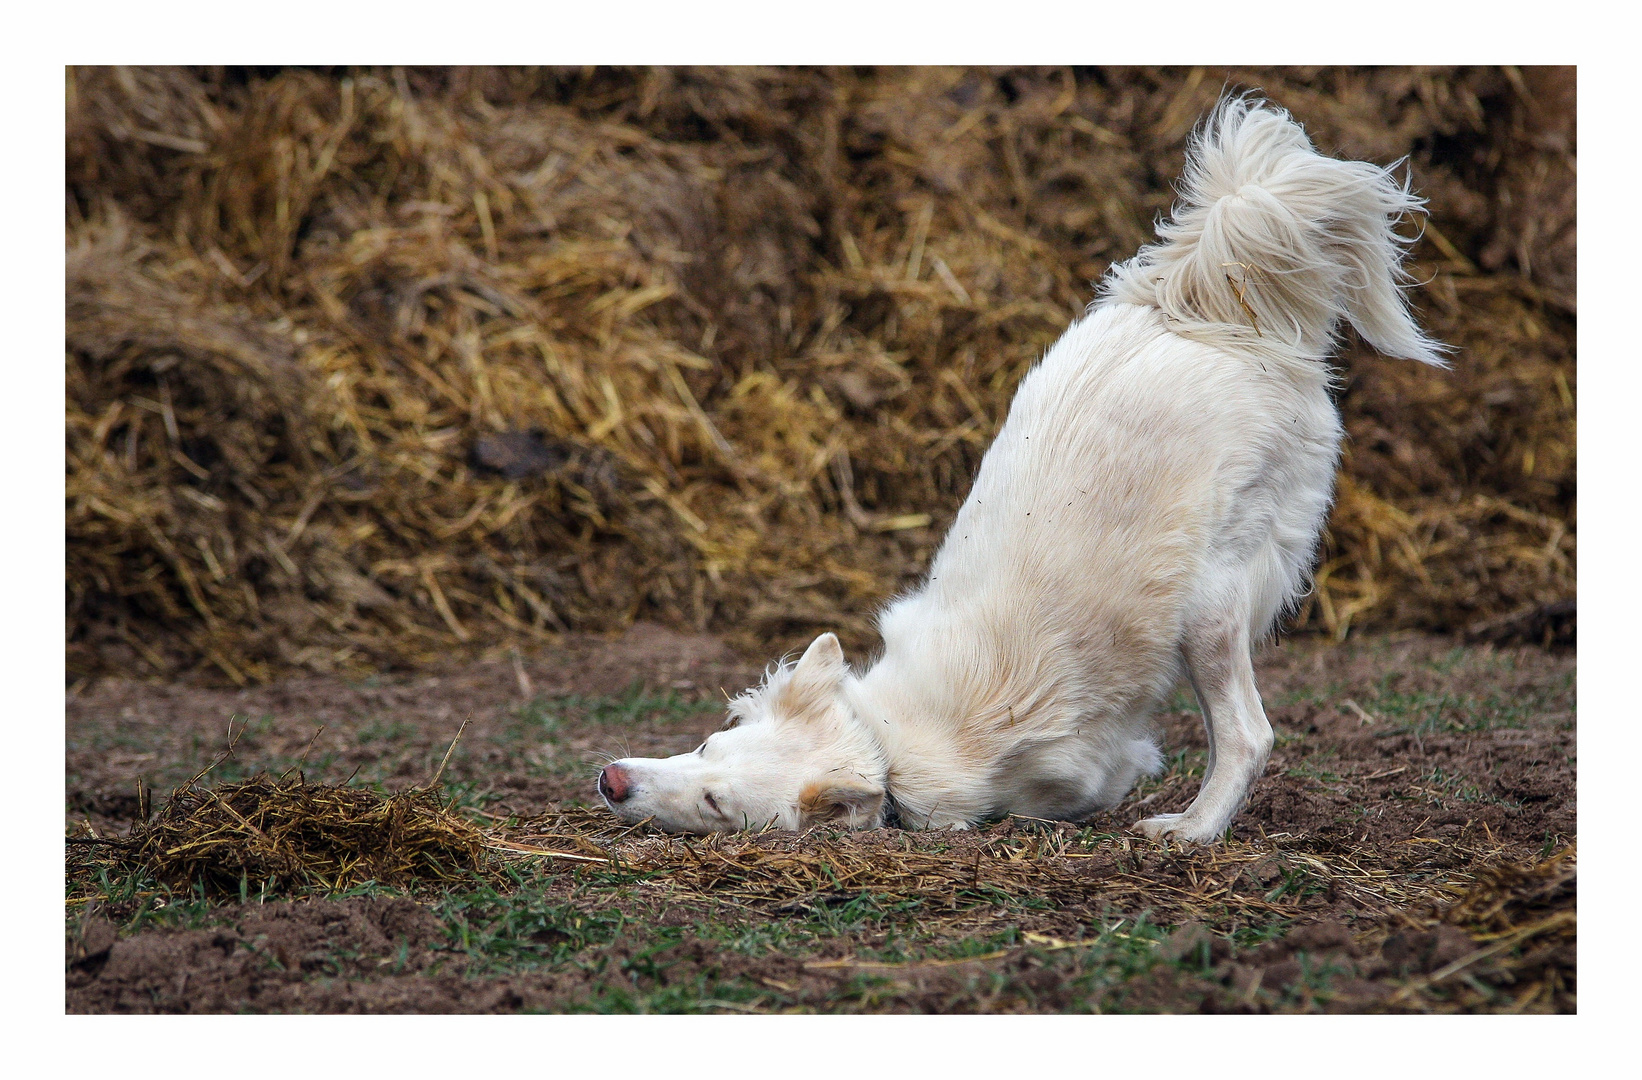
pixel 1149 509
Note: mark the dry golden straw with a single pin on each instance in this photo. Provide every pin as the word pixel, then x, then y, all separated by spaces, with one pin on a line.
pixel 364 367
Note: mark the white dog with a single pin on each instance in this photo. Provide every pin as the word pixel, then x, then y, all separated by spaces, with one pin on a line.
pixel 1150 507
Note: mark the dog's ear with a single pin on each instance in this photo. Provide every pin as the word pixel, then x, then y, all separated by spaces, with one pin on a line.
pixel 815 680
pixel 852 802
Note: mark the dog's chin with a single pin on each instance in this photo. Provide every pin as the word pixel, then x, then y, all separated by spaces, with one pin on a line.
pixel 627 813
pixel 632 815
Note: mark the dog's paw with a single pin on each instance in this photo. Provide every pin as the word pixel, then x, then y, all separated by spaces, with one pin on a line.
pixel 1176 828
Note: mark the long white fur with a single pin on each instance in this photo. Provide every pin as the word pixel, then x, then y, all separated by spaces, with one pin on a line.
pixel 1272 238
pixel 1150 507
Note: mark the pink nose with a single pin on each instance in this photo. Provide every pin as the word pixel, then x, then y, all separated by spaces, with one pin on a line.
pixel 613 783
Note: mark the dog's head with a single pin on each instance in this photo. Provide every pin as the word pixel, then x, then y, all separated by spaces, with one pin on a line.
pixel 791 755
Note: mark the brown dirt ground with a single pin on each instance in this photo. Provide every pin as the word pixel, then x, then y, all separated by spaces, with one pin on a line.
pixel 1407 771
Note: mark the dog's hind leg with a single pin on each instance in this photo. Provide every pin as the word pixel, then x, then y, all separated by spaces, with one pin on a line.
pixel 1219 659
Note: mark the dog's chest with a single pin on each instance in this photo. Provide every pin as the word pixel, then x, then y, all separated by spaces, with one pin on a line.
pixel 1057 779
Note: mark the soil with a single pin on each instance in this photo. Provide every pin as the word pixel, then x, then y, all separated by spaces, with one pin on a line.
pixel 1407 770
pixel 394 729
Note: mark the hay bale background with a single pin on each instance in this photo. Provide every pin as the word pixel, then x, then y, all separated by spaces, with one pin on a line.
pixel 367 365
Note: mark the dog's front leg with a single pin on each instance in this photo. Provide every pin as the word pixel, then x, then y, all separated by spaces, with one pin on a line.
pixel 1222 672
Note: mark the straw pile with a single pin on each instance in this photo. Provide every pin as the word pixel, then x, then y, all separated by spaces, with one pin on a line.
pixel 1054 862
pixel 366 366
pixel 284 836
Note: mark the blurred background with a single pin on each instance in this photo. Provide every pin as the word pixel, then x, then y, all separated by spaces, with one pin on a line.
pixel 369 368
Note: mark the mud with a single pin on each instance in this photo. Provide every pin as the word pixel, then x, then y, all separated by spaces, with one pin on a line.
pixel 392 729
pixel 1407 770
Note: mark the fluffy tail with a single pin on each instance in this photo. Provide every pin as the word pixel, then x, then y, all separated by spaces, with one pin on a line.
pixel 1272 237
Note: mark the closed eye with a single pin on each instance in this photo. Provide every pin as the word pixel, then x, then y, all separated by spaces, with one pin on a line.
pixel 712 802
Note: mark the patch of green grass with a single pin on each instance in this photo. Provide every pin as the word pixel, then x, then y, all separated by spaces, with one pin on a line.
pixel 1446 663
pixel 1423 713
pixel 762 937
pixel 980 945
pixel 863 912
pixel 469 794
pixel 504 930
pixel 544 722
pixel 1249 938
pixel 104 739
pixel 637 705
pixel 1310 695
pixel 867 990
pixel 1478 660
pixel 1297 883
pixel 1553 841
pixel 156 906
pixel 1456 784
pixel 1111 958
pixel 384 730
pixel 1464 788
pixel 703 992
pixel 1307 771
pixel 1092 969
pixel 1315 985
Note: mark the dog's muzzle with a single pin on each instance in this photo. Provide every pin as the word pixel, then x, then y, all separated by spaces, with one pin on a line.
pixel 614 783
